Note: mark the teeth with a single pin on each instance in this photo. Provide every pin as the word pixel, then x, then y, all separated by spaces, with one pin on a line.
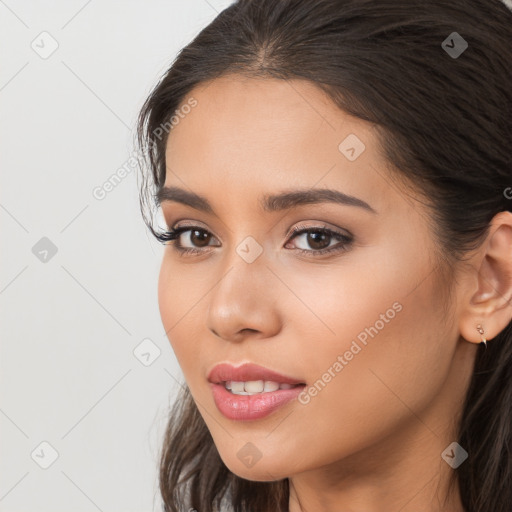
pixel 237 387
pixel 253 387
pixel 271 386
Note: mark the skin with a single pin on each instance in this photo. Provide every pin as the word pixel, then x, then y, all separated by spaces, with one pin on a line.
pixel 372 439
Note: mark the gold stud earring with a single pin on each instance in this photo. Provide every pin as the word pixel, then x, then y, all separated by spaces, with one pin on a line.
pixel 481 331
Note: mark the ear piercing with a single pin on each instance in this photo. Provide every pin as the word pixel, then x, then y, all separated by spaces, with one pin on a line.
pixel 481 331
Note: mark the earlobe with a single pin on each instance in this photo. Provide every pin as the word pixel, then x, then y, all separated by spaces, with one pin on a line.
pixel 489 309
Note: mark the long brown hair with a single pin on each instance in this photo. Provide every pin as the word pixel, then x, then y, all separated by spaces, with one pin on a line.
pixel 444 123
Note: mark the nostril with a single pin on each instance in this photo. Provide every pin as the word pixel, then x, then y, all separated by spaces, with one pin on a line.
pixel 250 330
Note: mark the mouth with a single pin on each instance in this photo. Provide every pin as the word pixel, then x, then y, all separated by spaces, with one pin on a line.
pixel 249 391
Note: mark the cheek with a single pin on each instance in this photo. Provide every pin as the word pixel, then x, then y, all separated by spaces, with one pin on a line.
pixel 374 350
pixel 377 384
pixel 178 294
pixel 176 303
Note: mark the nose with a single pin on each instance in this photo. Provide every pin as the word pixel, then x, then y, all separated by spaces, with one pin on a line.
pixel 244 303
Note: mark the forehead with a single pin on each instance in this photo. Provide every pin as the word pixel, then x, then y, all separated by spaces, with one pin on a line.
pixel 249 135
pixel 262 114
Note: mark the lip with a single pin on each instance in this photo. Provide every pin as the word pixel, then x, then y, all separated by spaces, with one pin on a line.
pixel 250 407
pixel 224 371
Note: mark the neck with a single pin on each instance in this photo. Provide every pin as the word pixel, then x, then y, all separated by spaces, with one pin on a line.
pixel 409 479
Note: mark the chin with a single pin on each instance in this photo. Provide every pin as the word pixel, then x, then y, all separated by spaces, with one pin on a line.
pixel 260 471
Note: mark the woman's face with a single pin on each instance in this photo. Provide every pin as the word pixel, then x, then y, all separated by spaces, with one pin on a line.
pixel 361 325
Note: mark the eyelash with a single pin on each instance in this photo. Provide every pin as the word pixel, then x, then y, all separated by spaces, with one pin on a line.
pixel 173 235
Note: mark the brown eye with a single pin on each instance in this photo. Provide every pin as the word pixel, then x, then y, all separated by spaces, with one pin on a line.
pixel 199 237
pixel 318 239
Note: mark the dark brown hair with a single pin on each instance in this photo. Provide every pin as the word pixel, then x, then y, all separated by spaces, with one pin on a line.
pixel 444 123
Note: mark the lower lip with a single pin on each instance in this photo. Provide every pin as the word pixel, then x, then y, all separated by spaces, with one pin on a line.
pixel 251 407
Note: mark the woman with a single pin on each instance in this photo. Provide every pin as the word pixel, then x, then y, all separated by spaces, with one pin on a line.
pixel 336 182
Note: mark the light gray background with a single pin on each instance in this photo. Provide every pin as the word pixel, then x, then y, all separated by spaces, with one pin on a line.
pixel 70 325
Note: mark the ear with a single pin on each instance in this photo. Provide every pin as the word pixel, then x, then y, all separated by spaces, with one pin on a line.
pixel 488 296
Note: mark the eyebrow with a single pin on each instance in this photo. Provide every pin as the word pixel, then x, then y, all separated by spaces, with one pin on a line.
pixel 269 202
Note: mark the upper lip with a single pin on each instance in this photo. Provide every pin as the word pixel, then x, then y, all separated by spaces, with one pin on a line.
pixel 224 371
